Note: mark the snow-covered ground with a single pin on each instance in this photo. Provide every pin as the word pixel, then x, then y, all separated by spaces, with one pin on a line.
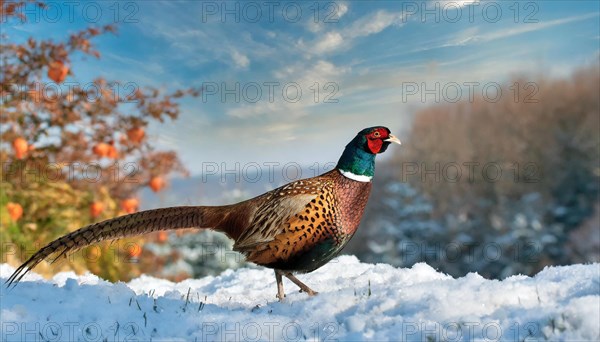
pixel 357 301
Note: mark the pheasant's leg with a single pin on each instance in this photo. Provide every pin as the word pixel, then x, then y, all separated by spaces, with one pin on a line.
pixel 280 293
pixel 300 284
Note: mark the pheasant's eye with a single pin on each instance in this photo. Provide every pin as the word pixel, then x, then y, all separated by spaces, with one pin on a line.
pixel 376 134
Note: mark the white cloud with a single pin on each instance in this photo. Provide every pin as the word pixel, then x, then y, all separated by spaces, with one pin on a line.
pixel 307 76
pixel 329 42
pixel 370 80
pixel 240 60
pixel 464 37
pixel 322 71
pixel 254 110
pixel 341 9
pixel 513 31
pixel 365 26
pixel 374 23
pixel 279 131
pixel 475 34
pixel 314 26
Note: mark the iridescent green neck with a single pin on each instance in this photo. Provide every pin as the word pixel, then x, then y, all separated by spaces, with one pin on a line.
pixel 357 161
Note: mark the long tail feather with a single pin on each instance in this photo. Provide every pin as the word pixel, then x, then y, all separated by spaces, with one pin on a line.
pixel 120 227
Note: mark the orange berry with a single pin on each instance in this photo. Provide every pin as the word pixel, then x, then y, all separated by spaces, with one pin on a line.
pixel 157 183
pixel 130 205
pixel 136 134
pixel 20 146
pixel 112 152
pixel 135 251
pixel 15 211
pixel 101 149
pixel 58 71
pixel 162 236
pixel 96 208
pixel 93 253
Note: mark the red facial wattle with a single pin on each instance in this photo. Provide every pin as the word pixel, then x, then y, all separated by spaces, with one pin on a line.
pixel 374 145
pixel 375 140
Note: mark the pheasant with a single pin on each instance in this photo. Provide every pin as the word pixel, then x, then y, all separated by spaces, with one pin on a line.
pixel 295 228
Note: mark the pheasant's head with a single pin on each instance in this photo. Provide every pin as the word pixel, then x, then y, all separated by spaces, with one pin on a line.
pixel 358 160
pixel 375 140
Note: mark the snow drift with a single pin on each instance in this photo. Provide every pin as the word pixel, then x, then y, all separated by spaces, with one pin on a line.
pixel 357 301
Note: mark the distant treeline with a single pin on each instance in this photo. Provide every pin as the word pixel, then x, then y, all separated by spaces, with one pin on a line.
pixel 496 187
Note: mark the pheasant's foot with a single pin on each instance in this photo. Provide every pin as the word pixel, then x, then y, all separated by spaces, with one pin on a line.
pixel 300 284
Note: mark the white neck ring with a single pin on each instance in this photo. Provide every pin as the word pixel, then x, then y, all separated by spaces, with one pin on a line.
pixel 358 178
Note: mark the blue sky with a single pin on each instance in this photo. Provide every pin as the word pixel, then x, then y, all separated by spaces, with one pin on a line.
pixel 362 55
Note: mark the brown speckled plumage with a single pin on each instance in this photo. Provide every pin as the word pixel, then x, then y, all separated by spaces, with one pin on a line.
pixel 295 228
pixel 328 207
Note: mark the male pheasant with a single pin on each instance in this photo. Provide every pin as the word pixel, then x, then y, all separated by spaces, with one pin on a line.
pixel 296 228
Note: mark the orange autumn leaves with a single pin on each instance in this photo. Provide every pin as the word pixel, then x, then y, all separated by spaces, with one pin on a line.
pixel 55 120
pixel 57 72
pixel 131 205
pixel 102 149
pixel 133 135
pixel 128 205
pixel 108 150
pixel 105 150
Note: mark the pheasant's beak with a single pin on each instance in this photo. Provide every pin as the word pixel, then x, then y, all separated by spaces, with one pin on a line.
pixel 393 139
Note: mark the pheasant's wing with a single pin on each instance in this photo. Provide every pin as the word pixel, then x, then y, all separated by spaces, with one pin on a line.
pixel 310 219
pixel 277 208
